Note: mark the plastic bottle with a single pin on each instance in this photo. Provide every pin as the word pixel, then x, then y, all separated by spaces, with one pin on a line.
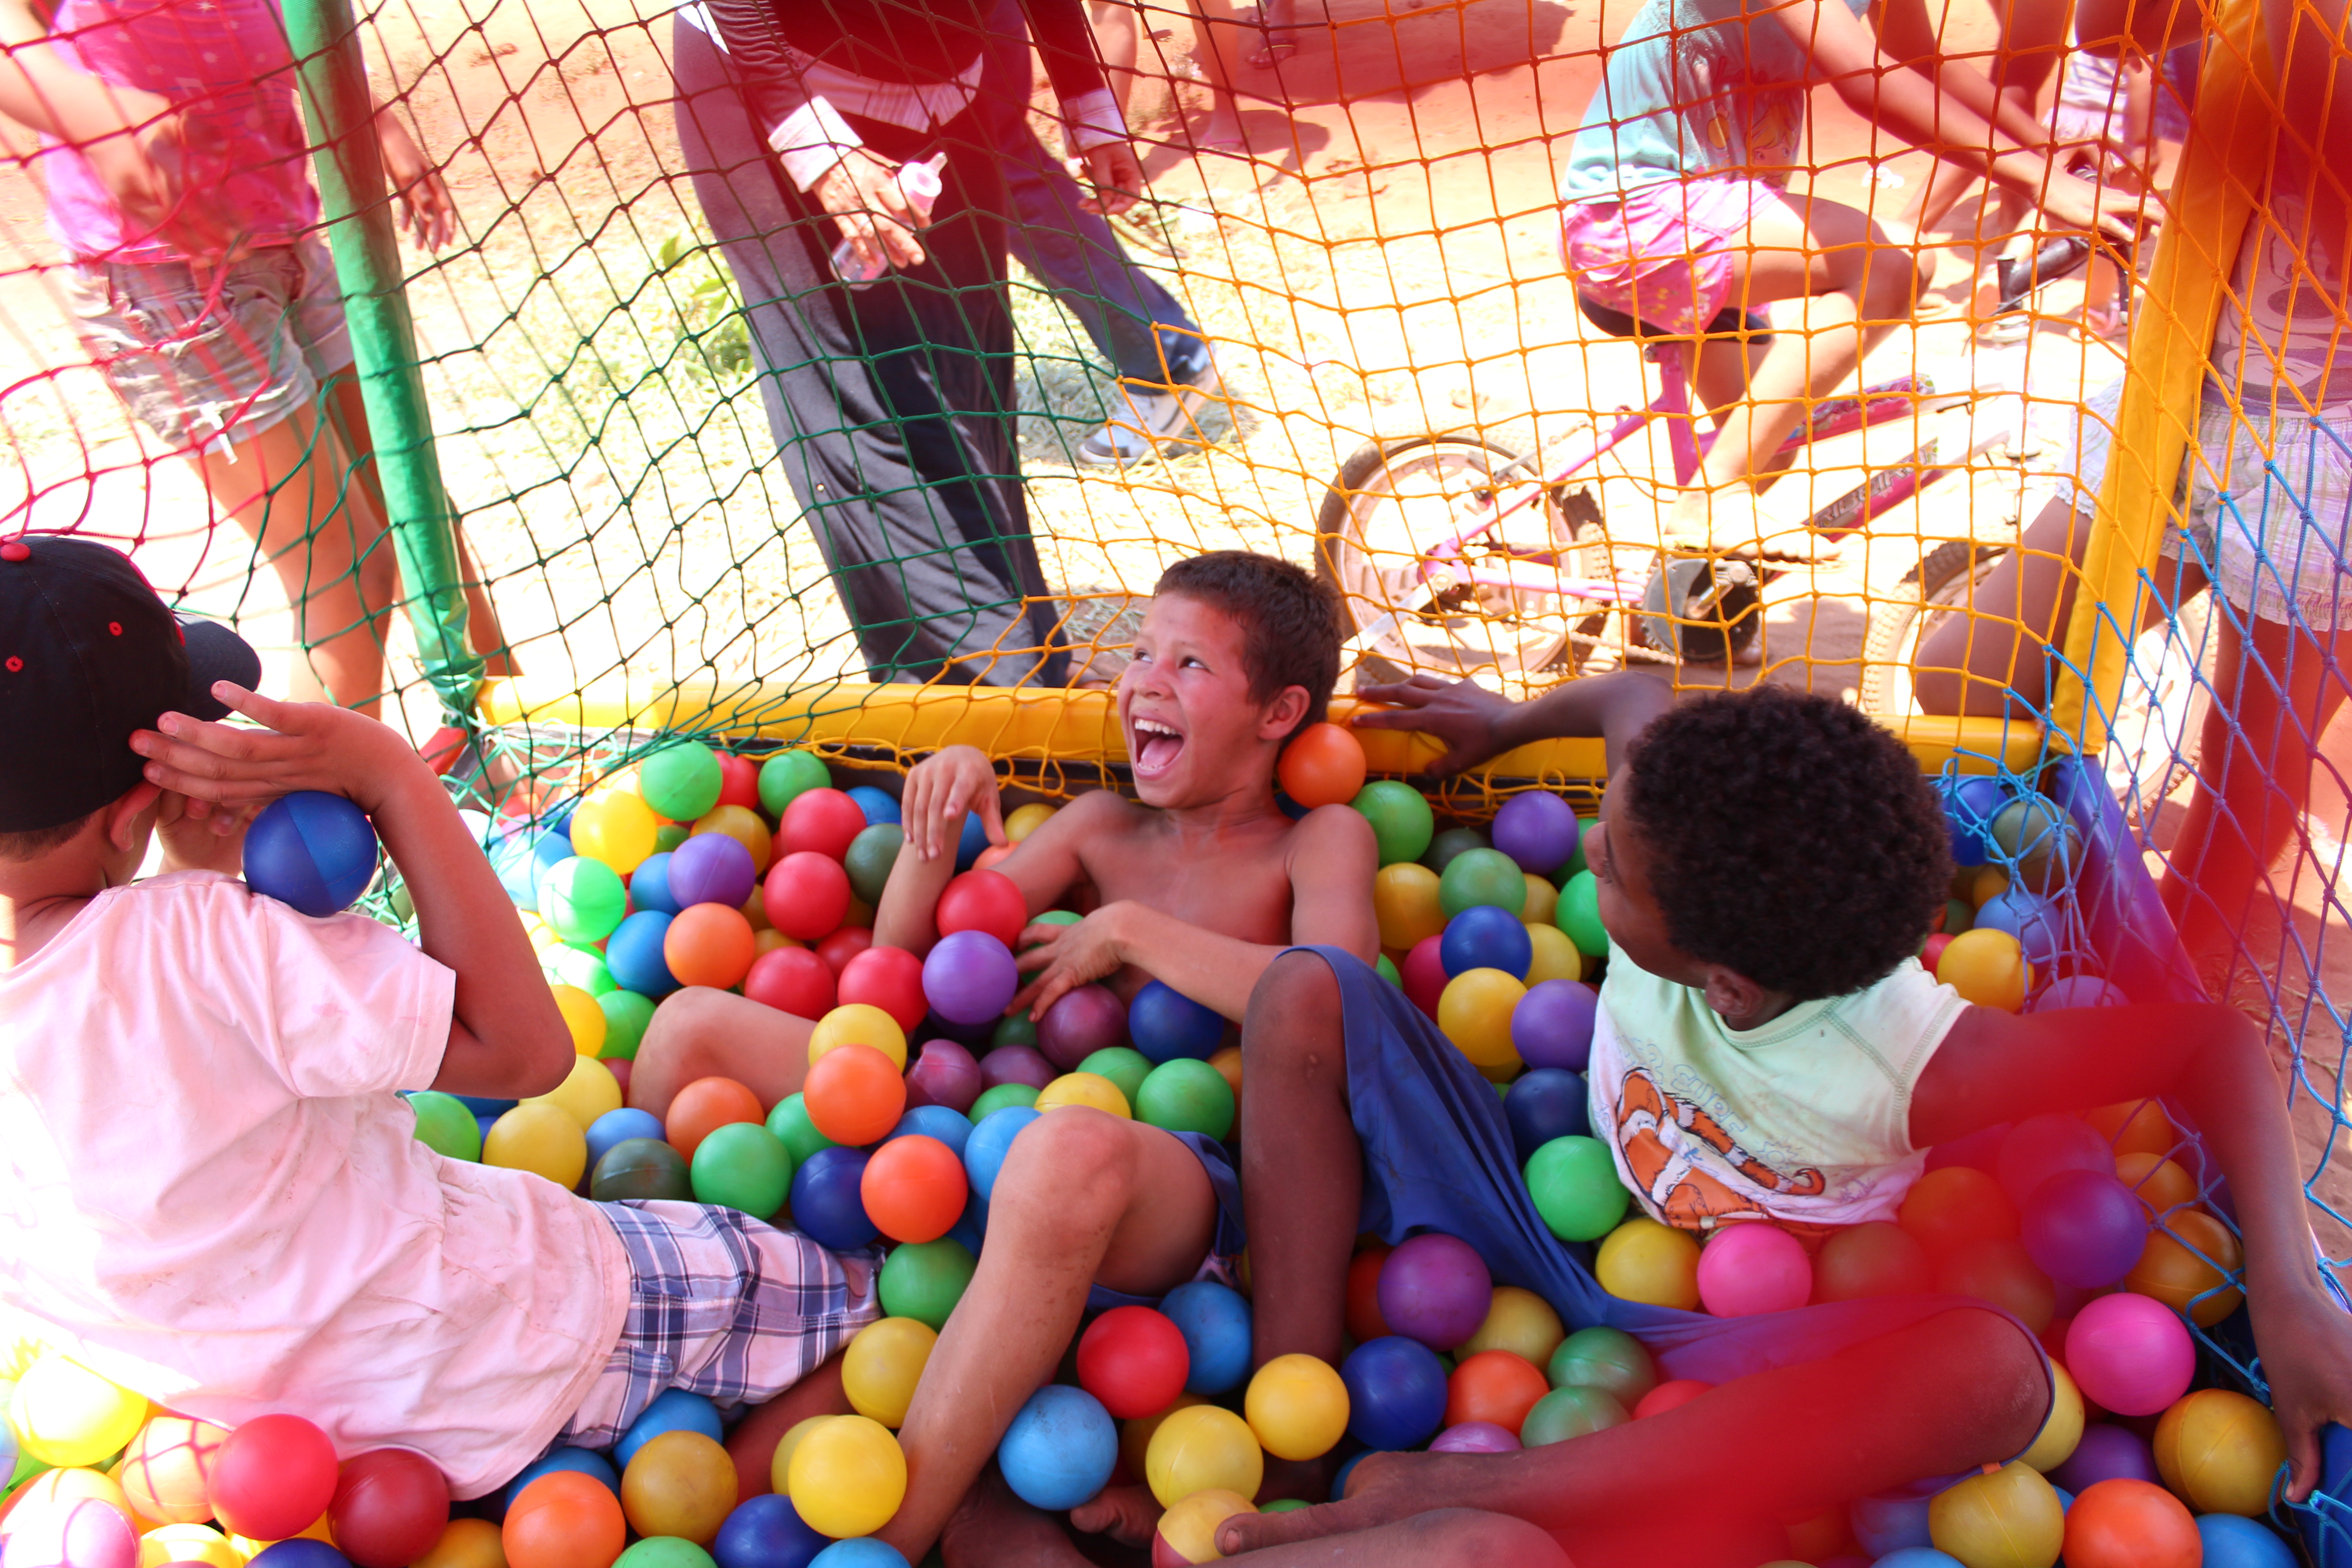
pixel 919 182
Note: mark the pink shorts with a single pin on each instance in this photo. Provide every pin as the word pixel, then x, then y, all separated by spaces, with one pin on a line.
pixel 1661 253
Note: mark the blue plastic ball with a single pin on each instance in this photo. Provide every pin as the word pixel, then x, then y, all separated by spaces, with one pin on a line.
pixel 672 1410
pixel 985 1150
pixel 586 1461
pixel 2231 1542
pixel 517 867
pixel 2033 921
pixel 944 1122
pixel 1885 1524
pixel 1215 1323
pixel 971 1226
pixel 974 840
pixel 483 1105
pixel 826 1203
pixel 301 1552
pixel 1396 1393
pixel 312 851
pixel 2078 991
pixel 1165 1024
pixel 1918 1557
pixel 486 1122
pixel 634 954
pixel 1970 807
pixel 618 1126
pixel 766 1532
pixel 878 805
pixel 861 1552
pixel 1339 1481
pixel 649 884
pixel 1544 1104
pixel 1059 1450
pixel 1484 937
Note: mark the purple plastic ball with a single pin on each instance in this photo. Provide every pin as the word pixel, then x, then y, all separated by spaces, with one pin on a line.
pixel 2039 1147
pixel 72 1532
pixel 943 1074
pixel 1087 1019
pixel 968 976
pixel 1435 1289
pixel 1537 830
pixel 1552 1025
pixel 1475 1437
pixel 1015 1064
pixel 2078 991
pixel 2106 1452
pixel 711 868
pixel 2085 1229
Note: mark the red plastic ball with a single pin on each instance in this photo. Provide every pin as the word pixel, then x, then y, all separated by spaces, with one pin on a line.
pixel 889 978
pixel 1670 1396
pixel 2126 1523
pixel 738 781
pixel 983 901
pixel 914 1188
pixel 792 979
pixel 1930 955
pixel 854 1094
pixel 1424 973
pixel 843 945
pixel 1365 1323
pixel 390 1507
pixel 1133 1360
pixel 822 822
pixel 1494 1385
pixel 806 895
pixel 272 1477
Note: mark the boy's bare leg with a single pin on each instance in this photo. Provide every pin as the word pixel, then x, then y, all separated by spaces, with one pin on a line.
pixel 701 1032
pixel 1222 132
pixel 752 1444
pixel 1116 29
pixel 1279 34
pixel 1082 1197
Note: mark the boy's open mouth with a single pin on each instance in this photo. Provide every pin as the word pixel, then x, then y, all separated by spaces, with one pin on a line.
pixel 1155 746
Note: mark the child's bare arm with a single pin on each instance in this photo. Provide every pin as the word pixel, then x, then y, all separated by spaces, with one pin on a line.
pixel 940 790
pixel 2211 1061
pixel 1476 724
pixel 506 1036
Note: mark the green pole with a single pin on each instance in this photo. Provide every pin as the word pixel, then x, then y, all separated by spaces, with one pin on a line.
pixel 358 213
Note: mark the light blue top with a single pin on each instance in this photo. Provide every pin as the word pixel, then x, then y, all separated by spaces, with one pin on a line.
pixel 1693 88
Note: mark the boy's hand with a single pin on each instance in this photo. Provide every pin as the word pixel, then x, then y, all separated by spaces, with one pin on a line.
pixel 143 169
pixel 940 791
pixel 419 197
pixel 306 746
pixel 2118 215
pixel 1117 176
pixel 1068 957
pixel 198 836
pixel 1462 713
pixel 861 194
pixel 2305 1341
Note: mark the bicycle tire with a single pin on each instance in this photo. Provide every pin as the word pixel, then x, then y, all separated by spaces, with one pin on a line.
pixel 1896 625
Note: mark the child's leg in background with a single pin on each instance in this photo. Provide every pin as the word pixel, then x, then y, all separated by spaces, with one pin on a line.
pixel 700 1033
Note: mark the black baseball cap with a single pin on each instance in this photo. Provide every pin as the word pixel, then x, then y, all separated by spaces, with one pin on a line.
pixel 88 654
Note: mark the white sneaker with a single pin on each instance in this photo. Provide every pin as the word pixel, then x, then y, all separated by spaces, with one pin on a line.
pixel 1165 415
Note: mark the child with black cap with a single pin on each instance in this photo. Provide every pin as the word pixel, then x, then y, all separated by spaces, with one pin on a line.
pixel 214 1193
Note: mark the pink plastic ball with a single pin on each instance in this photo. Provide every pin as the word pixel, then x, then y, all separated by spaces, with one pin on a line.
pixel 72 1532
pixel 2130 1355
pixel 1754 1267
pixel 1475 1437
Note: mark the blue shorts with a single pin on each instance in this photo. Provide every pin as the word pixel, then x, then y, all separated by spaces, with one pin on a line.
pixel 1224 1247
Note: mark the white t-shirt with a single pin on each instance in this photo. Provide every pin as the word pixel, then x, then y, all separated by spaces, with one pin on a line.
pixel 1805 1121
pixel 214 1194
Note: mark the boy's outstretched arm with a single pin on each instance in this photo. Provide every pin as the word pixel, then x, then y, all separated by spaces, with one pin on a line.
pixel 2211 1059
pixel 506 1036
pixel 1476 724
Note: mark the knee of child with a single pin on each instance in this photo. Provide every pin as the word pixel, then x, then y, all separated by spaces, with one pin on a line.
pixel 1069 1162
pixel 379 574
pixel 1468 1538
pixel 2004 1365
pixel 1296 986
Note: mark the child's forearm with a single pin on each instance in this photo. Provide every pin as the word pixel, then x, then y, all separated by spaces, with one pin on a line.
pixel 1617 707
pixel 908 916
pixel 1217 971
pixel 41 90
pixel 2232 1090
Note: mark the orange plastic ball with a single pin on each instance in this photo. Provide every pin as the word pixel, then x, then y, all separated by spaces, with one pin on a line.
pixel 679 1483
pixel 1945 1210
pixel 167 1472
pixel 1228 1063
pixel 2161 1183
pixel 705 1104
pixel 853 1095
pixel 1323 765
pixel 710 944
pixel 1987 967
pixel 745 827
pixel 914 1187
pixel 2171 1271
pixel 2134 1127
pixel 564 1520
pixel 2219 1451
pixel 2126 1523
pixel 465 1543
pixel 1494 1385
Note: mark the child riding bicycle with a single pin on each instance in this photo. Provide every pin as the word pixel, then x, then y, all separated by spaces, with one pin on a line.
pixel 1675 220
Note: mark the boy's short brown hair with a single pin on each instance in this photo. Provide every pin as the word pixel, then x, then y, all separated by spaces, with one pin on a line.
pixel 1290 621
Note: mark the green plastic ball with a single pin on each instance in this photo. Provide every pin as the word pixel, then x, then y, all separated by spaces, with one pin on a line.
pixel 1584 826
pixel 1052 918
pixel 1565 1413
pixel 626 1017
pixel 670 835
pixel 1478 876
pixel 1450 843
pixel 871 855
pixel 665 1551
pixel 742 1166
pixel 1604 1358
pixel 641 1168
pixel 580 966
pixel 786 774
pixel 1283 1505
pixel 1186 1096
pixel 445 1126
pixel 997 1099
pixel 583 899
pixel 681 782
pixel 1574 1183
pixel 1124 1066
pixel 1579 915
pixel 1957 915
pixel 791 1124
pixel 1388 972
pixel 2044 847
pixel 924 1279
pixel 1013 1029
pixel 1400 819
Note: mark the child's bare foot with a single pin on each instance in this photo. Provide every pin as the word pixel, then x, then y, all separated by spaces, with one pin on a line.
pixel 1128 1515
pixel 990 1528
pixel 1222 132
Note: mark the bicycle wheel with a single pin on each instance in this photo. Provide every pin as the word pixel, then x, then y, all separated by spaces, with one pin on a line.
pixel 1944 578
pixel 1391 496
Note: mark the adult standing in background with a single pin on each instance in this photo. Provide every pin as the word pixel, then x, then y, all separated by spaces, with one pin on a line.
pixel 893 404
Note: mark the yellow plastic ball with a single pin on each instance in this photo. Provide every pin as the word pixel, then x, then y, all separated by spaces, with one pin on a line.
pixel 884 1363
pixel 859 1024
pixel 587 1091
pixel 1474 1011
pixel 744 826
pixel 1297 1407
pixel 1519 1321
pixel 1986 967
pixel 615 828
pixel 1643 1261
pixel 540 1137
pixel 2009 1519
pixel 1190 1529
pixel 1201 1448
pixel 848 1476
pixel 2062 1430
pixel 1987 884
pixel 67 1487
pixel 1022 821
pixel 679 1483
pixel 2187 1259
pixel 1556 956
pixel 1404 900
pixel 755 909
pixel 1135 1437
pixel 768 941
pixel 1543 901
pixel 543 937
pixel 187 1543
pixel 1084 1088
pixel 315 1531
pixel 467 1543
pixel 65 1414
pixel 582 1017
pixel 2219 1452
pixel 780 1469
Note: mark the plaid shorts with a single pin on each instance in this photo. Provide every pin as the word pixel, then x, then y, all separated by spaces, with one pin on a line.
pixel 721 1305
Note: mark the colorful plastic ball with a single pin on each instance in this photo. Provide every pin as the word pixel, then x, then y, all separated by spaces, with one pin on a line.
pixel 1606 1358
pixel 1518 1321
pixel 2078 991
pixel 924 1279
pixel 1571 1412
pixel 1872 1259
pixel 859 1552
pixel 2187 1266
pixel 743 825
pixel 705 1105
pixel 2220 1452
pixel 2061 1430
pixel 1082 1021
pixel 301 1552
pixel 1552 1025
pixel 859 1024
pixel 166 1470
pixel 681 782
pixel 2085 1228
pixel 1060 1449
pixel 2103 1452
pixel 626 1016
pixel 1424 976
pixel 583 1019
pixel 1126 1069
pixel 1090 1090
pixel 583 899
pixel 1400 817
pixel 1537 830
pixel 937 1122
pixel 665 1551
pixel 882 1366
pixel 649 884
pixel 1481 877
pixel 1451 842
pixel 806 895
pixel 913 1188
pixel 1498 1387
pixel 766 1532
pixel 1949 1208
pixel 889 978
pixel 1013 1063
pixel 787 775
pixel 445 1126
pixel 2130 1355
pixel 2003 1274
pixel 1484 937
pixel 1201 1448
pixel 1579 914
pixel 1886 1525
pixel 1215 1321
pixel 821 821
pixel 1004 1097
pixel 2125 1523
pixel 872 856
pixel 847 1474
pixel 273 1474
pixel 1573 1181
pixel 1667 1396
pixel 2034 834
pixel 1475 1437
pixel 826 1200
pixel 2040 1147
pixel 1986 967
pixel 390 1507
pixel 987 901
pixel 1187 1533
pixel 712 869
pixel 2009 1519
pixel 944 1076
pixel 535 1136
pixel 69 1532
pixel 967 979
pixel 1322 766
pixel 641 1168
pixel 855 1095
pixel 1474 1011
pixel 792 980
pixel 1134 1360
pixel 741 1165
pixel 1435 1289
pixel 1643 1261
pixel 1556 957
pixel 678 1483
pixel 2231 1541
pixel 2034 922
pixel 1405 904
pixel 878 806
pixel 634 953
pixel 1544 1104
pixel 582 1461
pixel 1186 1096
pixel 587 1092
pixel 202 1546
pixel 615 827
pixel 1752 1269
pixel 991 1139
pixel 789 1121
pixel 1166 1025
pixel 1397 1393
pixel 312 851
